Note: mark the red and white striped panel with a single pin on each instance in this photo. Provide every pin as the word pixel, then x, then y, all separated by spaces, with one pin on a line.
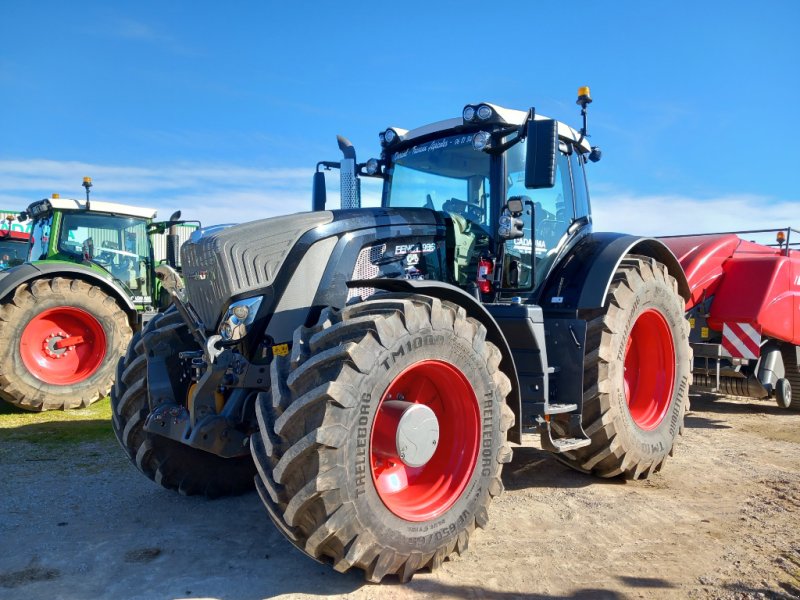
pixel 741 340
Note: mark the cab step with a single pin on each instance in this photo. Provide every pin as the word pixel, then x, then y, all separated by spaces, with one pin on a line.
pixel 571 434
pixel 569 444
pixel 558 409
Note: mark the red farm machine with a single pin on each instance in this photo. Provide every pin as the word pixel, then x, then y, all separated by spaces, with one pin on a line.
pixel 744 312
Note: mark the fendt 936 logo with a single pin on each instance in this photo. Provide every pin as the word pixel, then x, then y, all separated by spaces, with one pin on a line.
pixel 414 248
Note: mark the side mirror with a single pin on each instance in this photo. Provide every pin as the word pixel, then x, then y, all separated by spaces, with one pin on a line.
pixel 540 162
pixel 318 193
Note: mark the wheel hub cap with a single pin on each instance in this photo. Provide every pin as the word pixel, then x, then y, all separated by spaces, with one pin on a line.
pixel 416 432
pixel 63 345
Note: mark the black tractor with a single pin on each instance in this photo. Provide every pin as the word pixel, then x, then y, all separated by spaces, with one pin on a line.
pixel 372 366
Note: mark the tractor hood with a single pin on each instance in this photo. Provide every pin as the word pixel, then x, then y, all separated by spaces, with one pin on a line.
pixel 307 259
pixel 224 261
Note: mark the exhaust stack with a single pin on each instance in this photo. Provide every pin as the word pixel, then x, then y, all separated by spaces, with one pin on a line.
pixel 350 184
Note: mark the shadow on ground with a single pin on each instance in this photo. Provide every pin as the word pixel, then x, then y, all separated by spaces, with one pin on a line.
pixel 726 405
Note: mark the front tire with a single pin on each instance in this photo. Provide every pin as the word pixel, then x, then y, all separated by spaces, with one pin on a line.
pixel 173 465
pixel 336 471
pixel 60 340
pixel 637 372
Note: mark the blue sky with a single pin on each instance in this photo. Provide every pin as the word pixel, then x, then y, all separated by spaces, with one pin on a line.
pixel 224 109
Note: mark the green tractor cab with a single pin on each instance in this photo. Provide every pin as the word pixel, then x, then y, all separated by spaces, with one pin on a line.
pixel 88 283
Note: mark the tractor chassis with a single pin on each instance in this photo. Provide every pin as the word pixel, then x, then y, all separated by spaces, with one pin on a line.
pixel 549 394
pixel 203 375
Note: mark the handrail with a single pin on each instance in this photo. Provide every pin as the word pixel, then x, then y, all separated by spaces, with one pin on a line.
pixel 783 246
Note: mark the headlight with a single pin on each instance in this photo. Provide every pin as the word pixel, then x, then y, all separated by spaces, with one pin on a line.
pixel 480 141
pixel 484 112
pixel 389 136
pixel 469 113
pixel 238 318
pixel 372 166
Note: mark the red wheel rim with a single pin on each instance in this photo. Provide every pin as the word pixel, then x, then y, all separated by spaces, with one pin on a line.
pixel 63 345
pixel 649 369
pixel 422 493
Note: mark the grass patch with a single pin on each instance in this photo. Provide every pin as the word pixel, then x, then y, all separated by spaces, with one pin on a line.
pixel 57 427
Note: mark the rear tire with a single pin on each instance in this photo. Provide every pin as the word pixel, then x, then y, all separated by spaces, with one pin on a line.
pixel 321 478
pixel 38 370
pixel 171 464
pixel 637 372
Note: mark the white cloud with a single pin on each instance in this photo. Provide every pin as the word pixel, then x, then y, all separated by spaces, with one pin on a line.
pixel 212 193
pixel 225 193
pixel 675 214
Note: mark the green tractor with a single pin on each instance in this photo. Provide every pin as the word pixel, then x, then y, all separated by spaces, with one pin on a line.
pixel 68 313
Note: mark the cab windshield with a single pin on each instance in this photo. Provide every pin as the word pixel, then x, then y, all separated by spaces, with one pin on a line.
pixel 119 244
pixel 447 175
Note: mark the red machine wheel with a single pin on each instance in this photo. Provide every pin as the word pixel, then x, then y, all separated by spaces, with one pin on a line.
pixel 382 441
pixel 421 492
pixel 649 369
pixel 63 345
pixel 60 340
pixel 637 374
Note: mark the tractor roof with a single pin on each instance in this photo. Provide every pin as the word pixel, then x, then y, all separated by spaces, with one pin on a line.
pixel 508 115
pixel 102 207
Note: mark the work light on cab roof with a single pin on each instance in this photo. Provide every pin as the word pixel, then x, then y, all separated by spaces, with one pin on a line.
pixel 391 136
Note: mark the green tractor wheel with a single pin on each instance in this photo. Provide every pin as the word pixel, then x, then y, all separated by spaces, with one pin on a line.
pixel 60 340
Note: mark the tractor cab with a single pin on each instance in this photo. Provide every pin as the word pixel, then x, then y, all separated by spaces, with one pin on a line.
pixel 107 237
pixel 510 185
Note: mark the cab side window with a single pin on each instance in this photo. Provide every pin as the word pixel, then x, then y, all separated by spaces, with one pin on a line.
pixel 577 162
pixel 553 208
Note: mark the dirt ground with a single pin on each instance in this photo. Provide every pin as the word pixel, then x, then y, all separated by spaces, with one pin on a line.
pixel 722 520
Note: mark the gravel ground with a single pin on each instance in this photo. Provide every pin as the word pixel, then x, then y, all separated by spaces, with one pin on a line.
pixel 722 520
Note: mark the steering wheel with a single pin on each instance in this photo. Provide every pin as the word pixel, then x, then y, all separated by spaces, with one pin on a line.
pixel 472 212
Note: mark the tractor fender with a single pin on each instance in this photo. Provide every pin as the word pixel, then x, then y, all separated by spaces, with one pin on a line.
pixel 11 279
pixel 581 279
pixel 446 291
